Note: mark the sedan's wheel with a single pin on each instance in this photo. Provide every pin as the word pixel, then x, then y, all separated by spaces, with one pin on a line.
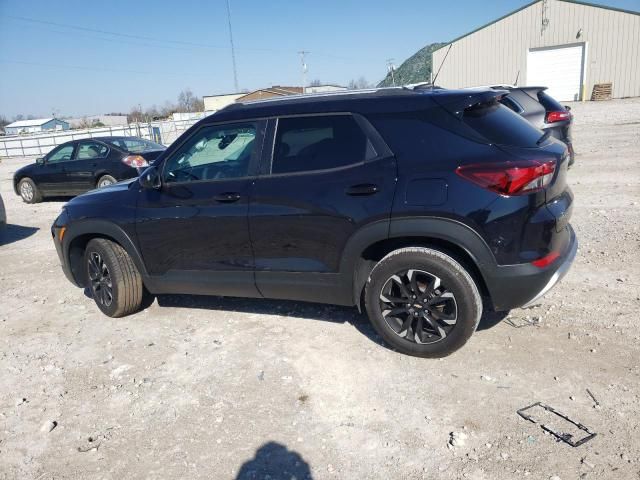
pixel 115 283
pixel 28 191
pixel 105 181
pixel 422 302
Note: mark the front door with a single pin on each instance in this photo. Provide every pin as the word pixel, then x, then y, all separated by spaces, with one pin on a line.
pixel 51 177
pixel 193 231
pixel 329 175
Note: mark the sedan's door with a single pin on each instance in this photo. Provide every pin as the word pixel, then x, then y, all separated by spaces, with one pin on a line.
pixel 51 177
pixel 194 231
pixel 82 171
pixel 328 176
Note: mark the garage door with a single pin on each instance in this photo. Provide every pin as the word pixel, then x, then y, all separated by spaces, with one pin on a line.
pixel 559 68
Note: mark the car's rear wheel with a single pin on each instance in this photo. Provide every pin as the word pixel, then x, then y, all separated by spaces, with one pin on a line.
pixel 422 302
pixel 105 181
pixel 112 277
pixel 29 191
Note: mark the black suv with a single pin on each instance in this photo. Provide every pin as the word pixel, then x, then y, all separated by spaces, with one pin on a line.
pixel 413 203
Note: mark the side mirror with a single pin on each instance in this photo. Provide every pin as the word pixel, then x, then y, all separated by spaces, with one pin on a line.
pixel 150 178
pixel 568 108
pixel 40 160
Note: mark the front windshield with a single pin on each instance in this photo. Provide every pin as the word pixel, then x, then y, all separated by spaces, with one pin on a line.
pixel 135 145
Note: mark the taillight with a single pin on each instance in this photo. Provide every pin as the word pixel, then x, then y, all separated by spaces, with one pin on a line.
pixel 546 260
pixel 510 178
pixel 558 116
pixel 135 161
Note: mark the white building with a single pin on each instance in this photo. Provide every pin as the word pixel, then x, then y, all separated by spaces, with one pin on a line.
pixel 217 102
pixel 566 45
pixel 324 89
pixel 35 125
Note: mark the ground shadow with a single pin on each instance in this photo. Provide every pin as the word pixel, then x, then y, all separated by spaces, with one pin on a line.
pixel 305 310
pixel 288 308
pixel 14 233
pixel 273 460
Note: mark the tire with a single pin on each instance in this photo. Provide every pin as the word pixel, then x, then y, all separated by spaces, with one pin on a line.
pixel 105 181
pixel 113 279
pixel 435 322
pixel 29 191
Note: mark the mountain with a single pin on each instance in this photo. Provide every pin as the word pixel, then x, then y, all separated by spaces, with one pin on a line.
pixel 415 69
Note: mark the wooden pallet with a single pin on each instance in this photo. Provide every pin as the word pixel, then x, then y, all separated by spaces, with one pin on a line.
pixel 601 91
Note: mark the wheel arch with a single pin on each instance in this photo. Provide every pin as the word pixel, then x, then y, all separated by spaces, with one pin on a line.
pixel 79 235
pixel 454 238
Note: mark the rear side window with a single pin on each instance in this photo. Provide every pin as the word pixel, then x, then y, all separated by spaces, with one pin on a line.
pixel 318 143
pixel 499 125
pixel 550 104
pixel 90 150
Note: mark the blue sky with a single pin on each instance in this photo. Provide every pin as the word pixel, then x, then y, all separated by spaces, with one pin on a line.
pixel 47 66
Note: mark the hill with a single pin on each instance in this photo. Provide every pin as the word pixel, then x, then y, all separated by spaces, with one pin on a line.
pixel 416 68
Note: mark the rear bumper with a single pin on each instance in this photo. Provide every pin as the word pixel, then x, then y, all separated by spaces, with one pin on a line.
pixel 515 286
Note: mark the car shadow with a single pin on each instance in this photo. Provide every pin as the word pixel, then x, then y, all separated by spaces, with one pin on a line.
pixel 276 461
pixel 287 308
pixel 296 309
pixel 14 233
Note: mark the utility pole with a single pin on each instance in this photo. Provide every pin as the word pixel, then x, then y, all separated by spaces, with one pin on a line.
pixel 233 50
pixel 304 69
pixel 391 68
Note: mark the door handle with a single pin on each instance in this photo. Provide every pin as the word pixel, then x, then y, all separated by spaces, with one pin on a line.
pixel 227 197
pixel 362 189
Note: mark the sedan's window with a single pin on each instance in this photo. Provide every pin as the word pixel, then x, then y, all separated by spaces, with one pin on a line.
pixel 135 145
pixel 317 143
pixel 63 154
pixel 213 153
pixel 91 150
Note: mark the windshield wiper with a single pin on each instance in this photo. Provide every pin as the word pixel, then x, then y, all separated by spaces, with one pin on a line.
pixel 544 136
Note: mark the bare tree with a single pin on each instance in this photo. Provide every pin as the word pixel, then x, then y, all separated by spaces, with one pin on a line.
pixel 135 115
pixel 188 102
pixel 3 121
pixel 359 84
pixel 315 83
pixel 84 123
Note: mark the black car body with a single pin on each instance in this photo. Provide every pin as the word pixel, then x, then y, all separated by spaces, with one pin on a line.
pixel 542 110
pixel 81 165
pixel 321 197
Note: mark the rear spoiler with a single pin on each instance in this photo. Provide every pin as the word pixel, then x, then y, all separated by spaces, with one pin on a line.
pixel 456 101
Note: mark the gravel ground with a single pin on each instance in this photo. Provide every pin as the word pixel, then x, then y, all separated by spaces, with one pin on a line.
pixel 200 387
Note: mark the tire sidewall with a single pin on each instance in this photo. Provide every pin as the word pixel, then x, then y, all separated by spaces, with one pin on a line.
pixel 453 277
pixel 96 247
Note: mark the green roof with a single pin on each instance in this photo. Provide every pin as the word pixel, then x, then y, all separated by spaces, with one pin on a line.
pixel 532 3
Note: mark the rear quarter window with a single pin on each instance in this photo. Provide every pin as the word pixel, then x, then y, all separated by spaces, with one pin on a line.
pixel 500 125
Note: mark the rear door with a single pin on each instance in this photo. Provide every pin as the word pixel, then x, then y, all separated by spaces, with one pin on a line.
pixel 323 177
pixel 88 159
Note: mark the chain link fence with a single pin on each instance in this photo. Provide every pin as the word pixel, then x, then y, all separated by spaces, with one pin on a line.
pixel 38 144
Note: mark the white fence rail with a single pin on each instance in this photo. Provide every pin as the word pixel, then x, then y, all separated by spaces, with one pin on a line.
pixel 41 143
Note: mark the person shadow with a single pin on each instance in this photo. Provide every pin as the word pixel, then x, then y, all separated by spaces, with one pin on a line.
pixel 275 461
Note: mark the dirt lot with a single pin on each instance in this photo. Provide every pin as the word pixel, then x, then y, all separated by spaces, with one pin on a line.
pixel 225 388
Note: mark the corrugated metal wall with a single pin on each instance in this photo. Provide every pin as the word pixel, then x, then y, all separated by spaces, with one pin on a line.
pixel 495 54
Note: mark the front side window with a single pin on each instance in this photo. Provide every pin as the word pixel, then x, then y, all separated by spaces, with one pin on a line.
pixel 62 154
pixel 317 143
pixel 91 150
pixel 213 153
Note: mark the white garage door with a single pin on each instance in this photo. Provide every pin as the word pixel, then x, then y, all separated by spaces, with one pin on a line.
pixel 560 69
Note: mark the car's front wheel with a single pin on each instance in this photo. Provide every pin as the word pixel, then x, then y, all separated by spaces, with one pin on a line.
pixel 422 302
pixel 29 191
pixel 112 277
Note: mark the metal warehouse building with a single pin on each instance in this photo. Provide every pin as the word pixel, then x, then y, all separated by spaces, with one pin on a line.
pixel 568 46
